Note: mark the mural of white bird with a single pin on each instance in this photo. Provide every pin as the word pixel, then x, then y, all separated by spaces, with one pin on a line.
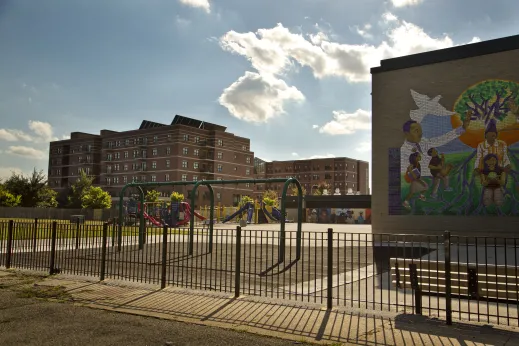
pixel 427 106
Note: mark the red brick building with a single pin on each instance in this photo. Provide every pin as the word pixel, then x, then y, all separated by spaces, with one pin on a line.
pixel 185 150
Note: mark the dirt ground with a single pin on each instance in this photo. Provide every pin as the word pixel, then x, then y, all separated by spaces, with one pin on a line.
pixel 37 315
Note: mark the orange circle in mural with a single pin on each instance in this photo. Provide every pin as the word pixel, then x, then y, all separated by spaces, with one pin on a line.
pixel 490 99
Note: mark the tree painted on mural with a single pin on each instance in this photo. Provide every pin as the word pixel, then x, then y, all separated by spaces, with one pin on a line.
pixel 491 100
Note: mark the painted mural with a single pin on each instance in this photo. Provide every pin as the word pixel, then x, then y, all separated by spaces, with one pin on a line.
pixel 338 215
pixel 462 161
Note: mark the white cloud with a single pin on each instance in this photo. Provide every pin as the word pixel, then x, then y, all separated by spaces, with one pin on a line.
pixel 10 135
pixel 315 126
pixel 295 154
pixel 202 4
pixel 258 98
pixel 347 123
pixel 27 152
pixel 402 3
pixel 182 22
pixel 42 132
pixel 277 50
pixel 363 147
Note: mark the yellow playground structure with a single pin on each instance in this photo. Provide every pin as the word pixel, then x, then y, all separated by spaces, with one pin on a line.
pixel 251 212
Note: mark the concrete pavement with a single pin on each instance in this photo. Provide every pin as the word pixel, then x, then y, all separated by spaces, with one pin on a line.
pixel 294 321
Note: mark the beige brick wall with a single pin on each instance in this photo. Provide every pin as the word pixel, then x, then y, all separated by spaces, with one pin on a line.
pixel 392 102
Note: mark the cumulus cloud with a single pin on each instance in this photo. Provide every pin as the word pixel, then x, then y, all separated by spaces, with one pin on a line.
pixel 295 154
pixel 41 132
pixel 201 4
pixel 257 98
pixel 27 152
pixel 403 3
pixel 344 123
pixel 363 147
pixel 6 172
pixel 276 50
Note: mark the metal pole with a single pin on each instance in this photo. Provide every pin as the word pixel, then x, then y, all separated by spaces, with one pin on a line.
pixel 448 288
pixel 329 269
pixel 52 268
pixel 9 249
pixel 77 233
pixel 164 256
pixel 237 268
pixel 35 235
pixel 103 251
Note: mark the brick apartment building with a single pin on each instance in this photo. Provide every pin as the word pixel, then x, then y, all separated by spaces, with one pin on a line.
pixel 185 150
pixel 340 173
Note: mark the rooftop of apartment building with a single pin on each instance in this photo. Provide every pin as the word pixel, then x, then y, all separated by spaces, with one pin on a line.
pixel 150 125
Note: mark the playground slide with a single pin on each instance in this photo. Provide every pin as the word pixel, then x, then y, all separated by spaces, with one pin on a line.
pixel 276 213
pixel 240 211
pixel 269 215
pixel 152 220
pixel 188 207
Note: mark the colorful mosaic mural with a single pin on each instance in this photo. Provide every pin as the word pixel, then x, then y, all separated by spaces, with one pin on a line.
pixel 462 161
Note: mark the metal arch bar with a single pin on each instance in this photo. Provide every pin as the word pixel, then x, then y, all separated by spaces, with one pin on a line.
pixel 141 193
pixel 287 182
pixel 299 232
pixel 192 219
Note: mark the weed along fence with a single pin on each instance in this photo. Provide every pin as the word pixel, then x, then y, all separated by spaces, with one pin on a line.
pixel 449 277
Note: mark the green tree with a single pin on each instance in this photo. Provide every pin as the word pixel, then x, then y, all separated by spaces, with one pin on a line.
pixel 7 199
pixel 177 197
pixel 321 187
pixel 33 189
pixel 295 192
pixel 245 199
pixel 96 198
pixel 78 189
pixel 270 197
pixel 152 196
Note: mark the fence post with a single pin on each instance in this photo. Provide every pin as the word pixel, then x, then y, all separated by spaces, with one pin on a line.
pixel 77 233
pixel 103 251
pixel 164 256
pixel 329 267
pixel 448 288
pixel 35 235
pixel 9 244
pixel 114 223
pixel 52 268
pixel 237 269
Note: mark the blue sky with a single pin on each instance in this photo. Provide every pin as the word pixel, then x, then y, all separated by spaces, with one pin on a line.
pixel 292 75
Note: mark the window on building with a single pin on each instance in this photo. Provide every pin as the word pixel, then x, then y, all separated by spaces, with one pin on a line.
pixel 220 142
pixel 184 164
pixel 196 152
pixel 218 195
pixel 247 171
pixel 219 168
pixel 185 151
pixel 155 139
pixel 109 157
pixel 125 167
pixel 247 159
pixel 108 181
pixel 197 139
pixel 186 138
pixel 184 177
pixel 195 178
pixel 154 151
pixel 220 155
pixel 166 177
pixel 247 184
pixel 154 164
pixel 117 155
pixel 218 178
pixel 144 154
pixel 153 178
pixel 168 150
pixel 125 154
pixel 168 163
pixel 195 165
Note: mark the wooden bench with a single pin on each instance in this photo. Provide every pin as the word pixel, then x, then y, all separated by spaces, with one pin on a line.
pixel 471 280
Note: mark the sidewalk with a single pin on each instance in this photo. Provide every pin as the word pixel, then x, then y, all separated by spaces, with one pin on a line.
pixel 288 320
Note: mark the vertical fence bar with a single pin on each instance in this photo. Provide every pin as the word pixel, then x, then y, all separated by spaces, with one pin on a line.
pixel 9 250
pixel 103 251
pixel 35 235
pixel 52 268
pixel 329 269
pixel 238 262
pixel 448 288
pixel 77 233
pixel 164 256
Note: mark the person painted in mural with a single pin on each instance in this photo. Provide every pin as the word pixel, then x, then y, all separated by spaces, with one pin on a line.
pixel 492 145
pixel 324 215
pixel 360 219
pixel 414 177
pixel 414 141
pixel 439 171
pixel 493 179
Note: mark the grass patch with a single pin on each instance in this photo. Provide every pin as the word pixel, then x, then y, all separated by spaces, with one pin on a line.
pixel 44 292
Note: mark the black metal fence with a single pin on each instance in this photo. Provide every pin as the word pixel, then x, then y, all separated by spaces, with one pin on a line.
pixel 466 278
